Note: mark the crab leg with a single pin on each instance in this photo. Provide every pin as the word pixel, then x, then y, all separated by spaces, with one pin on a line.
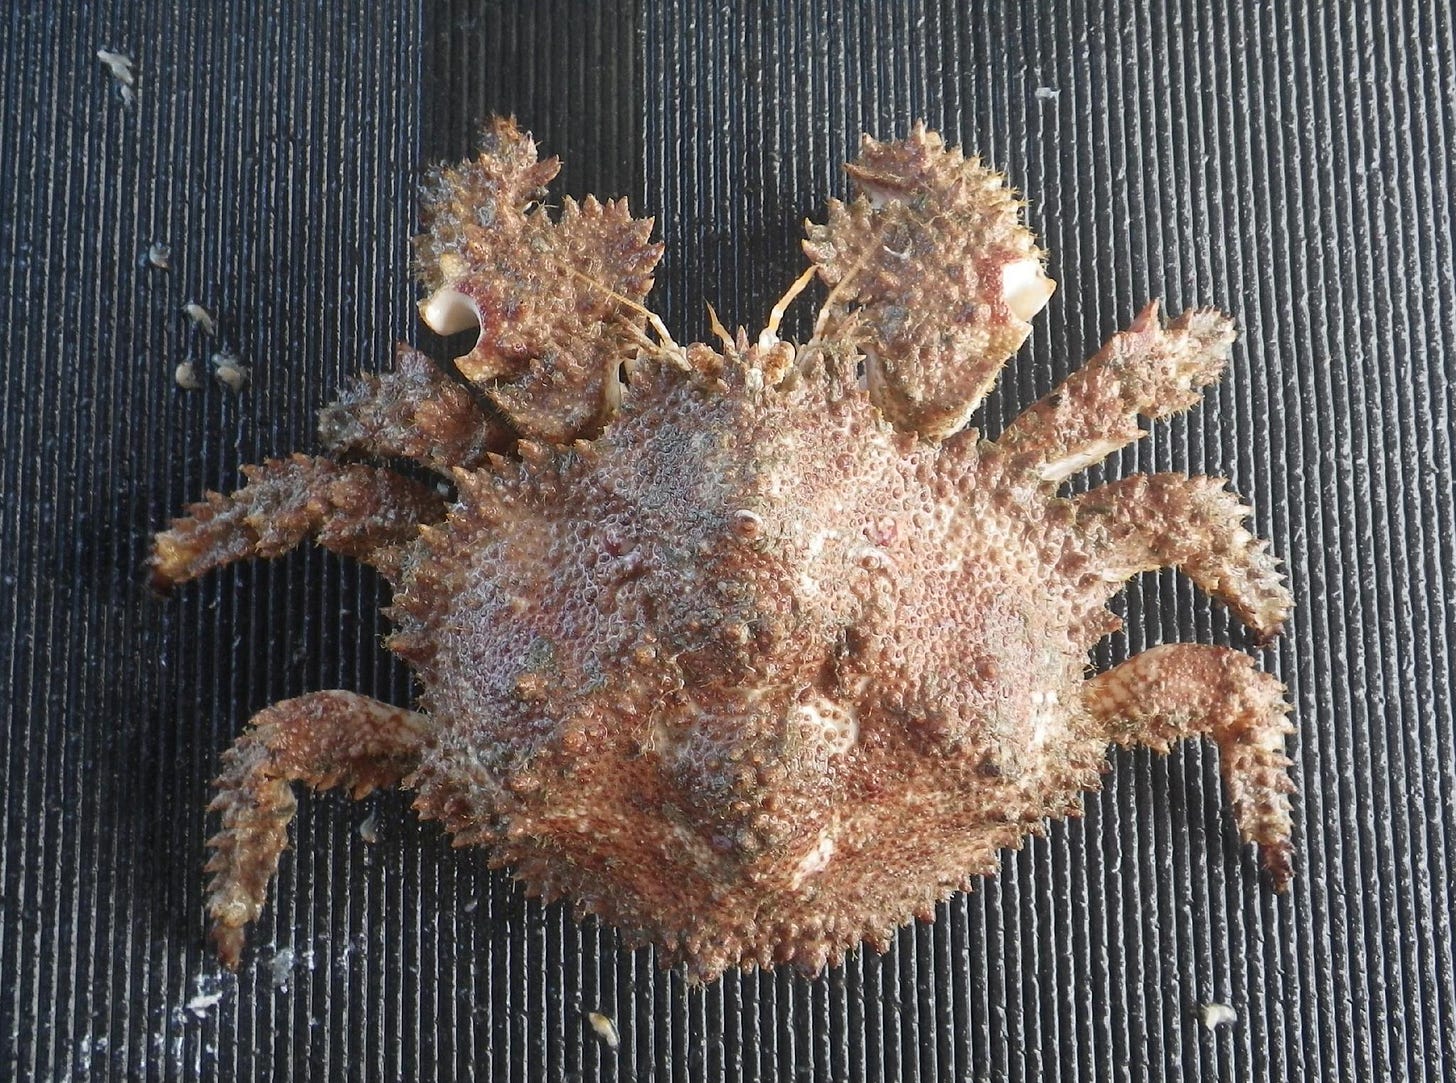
pixel 414 412
pixel 323 739
pixel 364 512
pixel 1151 521
pixel 1147 369
pixel 1183 690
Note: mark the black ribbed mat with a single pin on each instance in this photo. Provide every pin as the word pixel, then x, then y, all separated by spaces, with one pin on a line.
pixel 1291 162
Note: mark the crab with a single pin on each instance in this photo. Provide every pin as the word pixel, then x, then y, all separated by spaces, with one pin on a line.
pixel 754 649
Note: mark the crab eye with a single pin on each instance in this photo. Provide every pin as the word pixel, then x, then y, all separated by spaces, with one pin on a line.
pixel 447 312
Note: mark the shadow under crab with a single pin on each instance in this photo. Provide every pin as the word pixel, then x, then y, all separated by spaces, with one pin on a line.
pixel 755 651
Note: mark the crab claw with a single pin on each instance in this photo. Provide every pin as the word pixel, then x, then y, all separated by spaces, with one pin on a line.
pixel 933 278
pixel 448 312
pixel 557 299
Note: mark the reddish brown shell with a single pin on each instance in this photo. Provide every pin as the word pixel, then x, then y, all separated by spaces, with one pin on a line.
pixel 553 296
pixel 751 659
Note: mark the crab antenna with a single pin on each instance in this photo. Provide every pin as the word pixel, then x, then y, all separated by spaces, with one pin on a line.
pixel 716 325
pixel 770 334
pixel 652 317
pixel 842 286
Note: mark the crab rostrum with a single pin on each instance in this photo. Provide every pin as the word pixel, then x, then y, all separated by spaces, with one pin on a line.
pixel 753 650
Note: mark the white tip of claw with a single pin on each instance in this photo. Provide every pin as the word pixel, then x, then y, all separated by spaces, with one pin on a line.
pixel 448 311
pixel 1026 288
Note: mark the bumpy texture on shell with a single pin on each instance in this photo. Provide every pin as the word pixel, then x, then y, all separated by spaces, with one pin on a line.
pixel 934 279
pixel 552 296
pixel 750 659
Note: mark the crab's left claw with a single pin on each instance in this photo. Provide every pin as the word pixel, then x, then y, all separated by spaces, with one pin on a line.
pixel 558 301
pixel 933 279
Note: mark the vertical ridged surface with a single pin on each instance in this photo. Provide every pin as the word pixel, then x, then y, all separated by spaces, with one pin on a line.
pixel 1293 167
pixel 1288 162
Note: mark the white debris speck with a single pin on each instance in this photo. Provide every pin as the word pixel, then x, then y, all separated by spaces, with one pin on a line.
pixel 357 946
pixel 281 967
pixel 159 255
pixel 201 318
pixel 1046 93
pixel 120 65
pixel 605 1027
pixel 369 829
pixel 230 372
pixel 1216 1015
pixel 203 1003
pixel 470 907
pixel 186 376
pixel 83 1055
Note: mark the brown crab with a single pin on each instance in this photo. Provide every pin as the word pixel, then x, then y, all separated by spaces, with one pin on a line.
pixel 753 650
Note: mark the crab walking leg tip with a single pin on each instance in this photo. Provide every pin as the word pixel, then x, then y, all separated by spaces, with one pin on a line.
pixel 322 740
pixel 1185 690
